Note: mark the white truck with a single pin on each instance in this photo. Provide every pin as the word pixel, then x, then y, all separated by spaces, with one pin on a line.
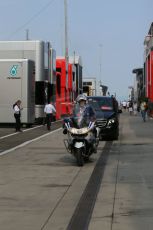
pixel 41 53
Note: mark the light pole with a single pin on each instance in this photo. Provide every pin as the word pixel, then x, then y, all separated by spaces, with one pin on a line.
pixel 100 61
pixel 27 34
pixel 66 42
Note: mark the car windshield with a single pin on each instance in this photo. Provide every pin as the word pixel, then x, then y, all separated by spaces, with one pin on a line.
pixel 104 104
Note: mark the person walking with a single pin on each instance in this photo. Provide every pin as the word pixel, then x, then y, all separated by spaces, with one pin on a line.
pixel 17 115
pixel 135 108
pixel 143 108
pixel 130 107
pixel 124 104
pixel 49 110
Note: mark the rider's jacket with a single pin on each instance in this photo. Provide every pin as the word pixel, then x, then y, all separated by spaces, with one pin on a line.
pixel 89 113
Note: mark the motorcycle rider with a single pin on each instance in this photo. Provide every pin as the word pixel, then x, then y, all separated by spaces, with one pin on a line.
pixel 85 108
pixel 88 113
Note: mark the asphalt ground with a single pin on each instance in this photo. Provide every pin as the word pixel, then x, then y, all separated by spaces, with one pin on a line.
pixel 10 139
pixel 125 199
pixel 41 187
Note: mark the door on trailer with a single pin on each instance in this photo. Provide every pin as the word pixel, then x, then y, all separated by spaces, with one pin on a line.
pixel 10 88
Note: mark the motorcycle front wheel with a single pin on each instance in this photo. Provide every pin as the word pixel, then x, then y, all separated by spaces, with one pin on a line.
pixel 79 157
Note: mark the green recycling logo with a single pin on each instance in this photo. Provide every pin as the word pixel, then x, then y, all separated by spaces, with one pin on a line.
pixel 13 70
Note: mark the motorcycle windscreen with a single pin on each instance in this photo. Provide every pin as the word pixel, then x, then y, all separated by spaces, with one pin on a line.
pixel 79 118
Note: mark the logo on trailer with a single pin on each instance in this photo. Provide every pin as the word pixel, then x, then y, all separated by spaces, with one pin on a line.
pixel 13 70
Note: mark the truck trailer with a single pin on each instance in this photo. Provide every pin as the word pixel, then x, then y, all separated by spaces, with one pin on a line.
pixel 40 52
pixel 89 86
pixel 17 82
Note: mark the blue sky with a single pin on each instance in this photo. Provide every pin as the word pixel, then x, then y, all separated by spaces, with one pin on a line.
pixel 104 33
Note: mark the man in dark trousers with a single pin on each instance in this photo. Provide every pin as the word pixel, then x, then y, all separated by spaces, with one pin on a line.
pixel 17 114
pixel 49 110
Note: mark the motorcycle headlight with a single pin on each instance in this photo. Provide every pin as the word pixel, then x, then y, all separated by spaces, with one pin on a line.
pixel 111 121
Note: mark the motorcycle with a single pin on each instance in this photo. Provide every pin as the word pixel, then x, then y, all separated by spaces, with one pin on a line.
pixel 82 138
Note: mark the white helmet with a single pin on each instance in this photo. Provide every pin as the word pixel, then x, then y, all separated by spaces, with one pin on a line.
pixel 81 97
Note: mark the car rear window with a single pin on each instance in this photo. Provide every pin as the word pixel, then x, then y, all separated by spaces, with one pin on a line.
pixel 105 104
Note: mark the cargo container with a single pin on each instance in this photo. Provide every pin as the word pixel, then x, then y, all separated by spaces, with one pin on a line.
pixel 61 88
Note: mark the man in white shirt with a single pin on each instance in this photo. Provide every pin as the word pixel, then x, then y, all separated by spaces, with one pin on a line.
pixel 124 104
pixel 49 110
pixel 17 114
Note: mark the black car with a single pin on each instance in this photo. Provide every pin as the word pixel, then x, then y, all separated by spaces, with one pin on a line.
pixel 107 116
